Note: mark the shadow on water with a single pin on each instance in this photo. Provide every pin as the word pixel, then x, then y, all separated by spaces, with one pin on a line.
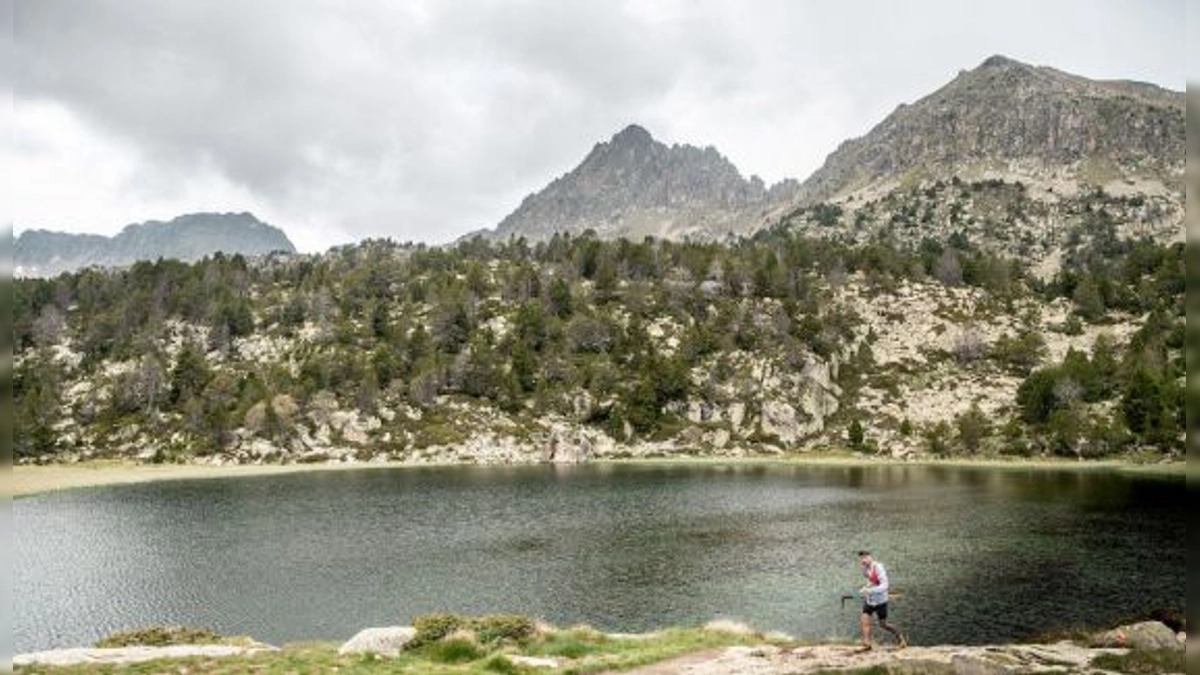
pixel 981 554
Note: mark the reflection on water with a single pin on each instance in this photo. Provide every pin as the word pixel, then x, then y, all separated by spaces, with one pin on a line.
pixel 982 554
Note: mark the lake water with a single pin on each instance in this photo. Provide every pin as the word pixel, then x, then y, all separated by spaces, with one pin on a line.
pixel 980 554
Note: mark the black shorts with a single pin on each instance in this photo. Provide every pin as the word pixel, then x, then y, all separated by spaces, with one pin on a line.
pixel 878 610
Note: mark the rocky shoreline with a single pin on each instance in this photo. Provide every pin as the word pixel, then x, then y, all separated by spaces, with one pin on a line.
pixel 751 653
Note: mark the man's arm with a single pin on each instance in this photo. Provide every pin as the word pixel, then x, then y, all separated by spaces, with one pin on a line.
pixel 882 586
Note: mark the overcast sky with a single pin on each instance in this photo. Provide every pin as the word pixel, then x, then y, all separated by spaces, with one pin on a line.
pixel 424 120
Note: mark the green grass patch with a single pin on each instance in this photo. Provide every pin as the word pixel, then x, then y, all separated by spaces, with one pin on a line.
pixel 451 650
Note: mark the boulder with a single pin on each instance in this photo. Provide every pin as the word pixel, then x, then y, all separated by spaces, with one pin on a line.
pixel 1144 635
pixel 385 641
pixel 779 420
pixel 737 414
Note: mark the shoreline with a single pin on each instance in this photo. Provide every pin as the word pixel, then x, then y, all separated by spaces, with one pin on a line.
pixel 717 647
pixel 31 480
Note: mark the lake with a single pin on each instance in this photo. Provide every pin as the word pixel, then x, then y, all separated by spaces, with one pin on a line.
pixel 981 555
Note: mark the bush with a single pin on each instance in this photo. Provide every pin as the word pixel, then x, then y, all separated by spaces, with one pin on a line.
pixel 434 627
pixel 936 438
pixel 159 636
pixel 495 627
pixel 856 435
pixel 973 427
pixel 490 629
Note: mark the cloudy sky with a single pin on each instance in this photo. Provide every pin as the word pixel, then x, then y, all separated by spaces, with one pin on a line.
pixel 424 120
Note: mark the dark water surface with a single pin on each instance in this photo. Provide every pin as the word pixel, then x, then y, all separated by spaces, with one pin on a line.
pixel 981 554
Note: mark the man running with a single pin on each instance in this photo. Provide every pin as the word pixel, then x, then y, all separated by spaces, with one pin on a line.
pixel 875 601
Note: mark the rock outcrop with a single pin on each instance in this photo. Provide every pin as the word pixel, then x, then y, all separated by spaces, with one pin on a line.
pixel 1144 635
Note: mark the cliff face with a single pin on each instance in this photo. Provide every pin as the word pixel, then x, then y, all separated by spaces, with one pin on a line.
pixel 634 185
pixel 42 253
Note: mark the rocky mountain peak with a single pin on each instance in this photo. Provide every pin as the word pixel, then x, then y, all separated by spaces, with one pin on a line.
pixel 1001 61
pixel 633 185
pixel 1017 121
pixel 632 136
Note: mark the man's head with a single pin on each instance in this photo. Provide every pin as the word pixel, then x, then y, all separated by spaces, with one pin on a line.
pixel 864 558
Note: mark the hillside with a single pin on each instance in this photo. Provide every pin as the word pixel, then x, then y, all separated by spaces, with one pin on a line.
pixel 996 268
pixel 579 348
pixel 42 253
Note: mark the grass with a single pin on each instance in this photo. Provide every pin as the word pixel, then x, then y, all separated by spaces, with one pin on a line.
pixel 579 651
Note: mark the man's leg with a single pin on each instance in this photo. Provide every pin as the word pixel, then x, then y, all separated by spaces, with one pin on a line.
pixel 882 613
pixel 864 628
pixel 900 639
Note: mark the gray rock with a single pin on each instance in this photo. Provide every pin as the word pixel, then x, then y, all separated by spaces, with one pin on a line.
pixel 138 654
pixel 779 419
pixel 386 641
pixel 1145 635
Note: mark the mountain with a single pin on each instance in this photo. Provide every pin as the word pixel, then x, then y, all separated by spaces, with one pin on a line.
pixel 1035 146
pixel 1010 119
pixel 634 186
pixel 42 253
pixel 1021 161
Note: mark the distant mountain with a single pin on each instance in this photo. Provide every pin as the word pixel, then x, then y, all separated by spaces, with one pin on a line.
pixel 1007 118
pixel 42 253
pixel 634 186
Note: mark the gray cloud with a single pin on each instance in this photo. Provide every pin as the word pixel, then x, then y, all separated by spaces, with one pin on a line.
pixel 423 120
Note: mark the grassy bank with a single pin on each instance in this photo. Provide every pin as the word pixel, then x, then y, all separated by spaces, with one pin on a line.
pixel 30 480
pixel 576 650
pixel 720 647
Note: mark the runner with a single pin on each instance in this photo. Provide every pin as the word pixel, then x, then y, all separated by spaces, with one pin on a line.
pixel 875 601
